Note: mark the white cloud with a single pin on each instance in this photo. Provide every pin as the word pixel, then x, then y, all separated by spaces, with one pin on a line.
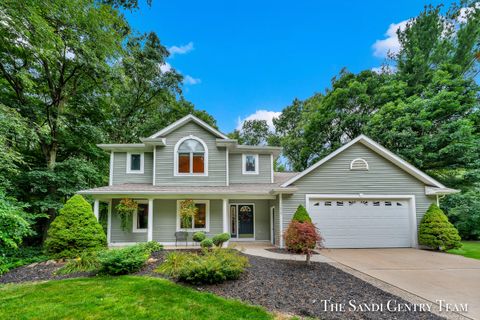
pixel 191 80
pixel 260 115
pixel 465 12
pixel 381 48
pixel 384 69
pixel 166 67
pixel 181 49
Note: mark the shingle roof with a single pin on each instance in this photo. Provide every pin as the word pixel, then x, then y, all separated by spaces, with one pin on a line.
pixel 235 188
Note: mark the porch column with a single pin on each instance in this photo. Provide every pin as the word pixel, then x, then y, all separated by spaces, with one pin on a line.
pixel 150 220
pixel 96 208
pixel 109 223
pixel 225 217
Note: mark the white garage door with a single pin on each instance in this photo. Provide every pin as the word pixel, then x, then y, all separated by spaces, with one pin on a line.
pixel 372 223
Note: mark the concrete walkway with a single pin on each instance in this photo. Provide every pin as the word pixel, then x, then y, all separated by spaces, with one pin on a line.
pixel 430 275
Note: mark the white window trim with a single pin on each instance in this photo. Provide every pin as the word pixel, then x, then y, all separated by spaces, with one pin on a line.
pixel 359 160
pixel 244 162
pixel 135 218
pixel 207 218
pixel 129 159
pixel 175 159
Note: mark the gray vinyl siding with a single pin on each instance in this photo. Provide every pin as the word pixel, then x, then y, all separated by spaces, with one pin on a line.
pixel 120 174
pixel 119 235
pixel 262 218
pixel 165 160
pixel 335 177
pixel 164 222
pixel 264 170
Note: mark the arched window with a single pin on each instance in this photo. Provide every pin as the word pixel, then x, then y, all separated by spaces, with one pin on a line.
pixel 191 157
pixel 359 164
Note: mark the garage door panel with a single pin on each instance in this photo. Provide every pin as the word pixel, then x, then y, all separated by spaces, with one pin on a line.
pixel 373 223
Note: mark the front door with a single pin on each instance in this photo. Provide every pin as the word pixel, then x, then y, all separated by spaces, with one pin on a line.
pixel 246 215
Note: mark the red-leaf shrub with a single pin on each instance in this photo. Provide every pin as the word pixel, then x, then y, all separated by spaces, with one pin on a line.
pixel 302 237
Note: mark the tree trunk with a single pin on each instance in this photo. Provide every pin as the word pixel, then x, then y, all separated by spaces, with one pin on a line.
pixel 309 254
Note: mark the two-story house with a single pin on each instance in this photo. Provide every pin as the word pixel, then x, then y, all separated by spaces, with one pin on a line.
pixel 361 195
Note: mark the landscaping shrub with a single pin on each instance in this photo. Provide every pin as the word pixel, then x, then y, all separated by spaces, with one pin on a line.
pixel 220 239
pixel 13 258
pixel 199 236
pixel 151 246
pixel 206 243
pixel 88 261
pixel 437 232
pixel 123 261
pixel 211 266
pixel 301 215
pixel 74 230
pixel 302 238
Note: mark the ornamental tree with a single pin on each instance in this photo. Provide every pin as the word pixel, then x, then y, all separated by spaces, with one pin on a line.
pixel 302 237
pixel 437 232
pixel 301 215
pixel 74 230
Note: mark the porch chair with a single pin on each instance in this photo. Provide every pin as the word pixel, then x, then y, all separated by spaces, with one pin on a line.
pixel 181 236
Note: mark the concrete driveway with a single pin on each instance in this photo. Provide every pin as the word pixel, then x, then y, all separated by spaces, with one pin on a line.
pixel 430 275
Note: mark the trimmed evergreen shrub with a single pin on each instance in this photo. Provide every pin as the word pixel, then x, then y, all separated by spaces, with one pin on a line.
pixel 211 266
pixel 220 239
pixel 123 261
pixel 199 236
pixel 151 246
pixel 301 215
pixel 74 230
pixel 206 243
pixel 437 232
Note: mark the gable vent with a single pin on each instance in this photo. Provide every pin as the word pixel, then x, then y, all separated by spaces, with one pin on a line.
pixel 359 164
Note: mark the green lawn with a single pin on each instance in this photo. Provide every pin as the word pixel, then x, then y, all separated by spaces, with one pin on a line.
pixel 126 297
pixel 470 249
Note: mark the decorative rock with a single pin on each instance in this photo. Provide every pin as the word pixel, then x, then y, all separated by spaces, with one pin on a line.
pixel 49 262
pixel 152 260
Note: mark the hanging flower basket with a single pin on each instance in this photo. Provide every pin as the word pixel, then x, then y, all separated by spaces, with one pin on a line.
pixel 187 212
pixel 125 209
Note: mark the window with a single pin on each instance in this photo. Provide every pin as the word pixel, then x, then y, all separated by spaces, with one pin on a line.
pixel 339 203
pixel 359 165
pixel 140 217
pixel 328 203
pixel 190 157
pixel 135 162
pixel 201 218
pixel 250 164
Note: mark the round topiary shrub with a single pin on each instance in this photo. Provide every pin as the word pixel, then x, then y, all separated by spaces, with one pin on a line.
pixel 74 230
pixel 437 232
pixel 206 243
pixel 199 236
pixel 301 215
pixel 220 239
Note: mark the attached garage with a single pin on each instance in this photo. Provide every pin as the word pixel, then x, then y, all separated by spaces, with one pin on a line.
pixel 361 222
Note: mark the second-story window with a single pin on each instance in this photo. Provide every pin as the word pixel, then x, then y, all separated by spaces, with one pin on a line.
pixel 191 158
pixel 250 164
pixel 134 162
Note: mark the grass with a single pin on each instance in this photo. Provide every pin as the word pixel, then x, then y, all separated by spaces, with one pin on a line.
pixel 126 297
pixel 470 249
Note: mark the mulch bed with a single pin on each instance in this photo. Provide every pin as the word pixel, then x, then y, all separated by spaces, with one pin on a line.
pixel 284 251
pixel 278 285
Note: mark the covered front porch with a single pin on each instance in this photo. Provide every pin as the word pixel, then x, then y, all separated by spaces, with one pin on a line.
pixel 157 218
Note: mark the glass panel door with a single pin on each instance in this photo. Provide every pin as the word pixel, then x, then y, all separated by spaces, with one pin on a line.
pixel 245 221
pixel 233 221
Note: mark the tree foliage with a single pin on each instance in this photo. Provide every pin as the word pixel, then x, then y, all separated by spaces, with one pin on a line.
pixel 15 223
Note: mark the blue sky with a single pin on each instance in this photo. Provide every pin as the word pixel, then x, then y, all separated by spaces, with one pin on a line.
pixel 242 57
